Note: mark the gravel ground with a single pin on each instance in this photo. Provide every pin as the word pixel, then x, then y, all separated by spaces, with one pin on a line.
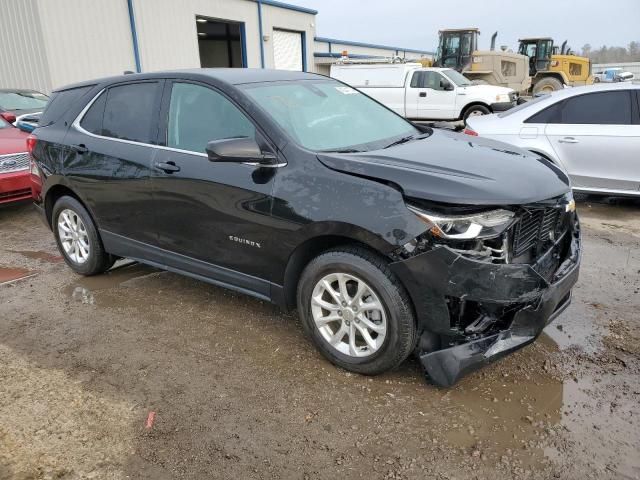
pixel 140 373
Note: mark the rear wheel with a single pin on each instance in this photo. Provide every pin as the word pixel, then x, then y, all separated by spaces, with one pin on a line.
pixel 356 312
pixel 547 85
pixel 78 239
pixel 475 111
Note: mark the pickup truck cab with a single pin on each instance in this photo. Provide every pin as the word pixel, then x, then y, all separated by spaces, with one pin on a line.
pixel 420 93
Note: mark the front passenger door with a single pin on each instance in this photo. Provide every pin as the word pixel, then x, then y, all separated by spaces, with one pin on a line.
pixel 212 217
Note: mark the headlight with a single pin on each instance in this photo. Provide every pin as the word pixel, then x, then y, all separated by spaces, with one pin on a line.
pixel 466 227
pixel 503 97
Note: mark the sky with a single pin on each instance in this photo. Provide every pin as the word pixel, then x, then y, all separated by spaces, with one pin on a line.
pixel 415 23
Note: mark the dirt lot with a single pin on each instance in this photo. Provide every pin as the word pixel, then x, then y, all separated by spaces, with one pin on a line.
pixel 238 392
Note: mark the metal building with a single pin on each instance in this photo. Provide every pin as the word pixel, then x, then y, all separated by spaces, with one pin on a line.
pixel 49 43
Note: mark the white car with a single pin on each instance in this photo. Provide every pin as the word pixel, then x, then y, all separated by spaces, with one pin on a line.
pixel 420 93
pixel 591 132
pixel 609 75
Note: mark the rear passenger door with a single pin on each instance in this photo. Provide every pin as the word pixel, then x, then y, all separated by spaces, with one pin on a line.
pixel 111 146
pixel 597 138
pixel 212 217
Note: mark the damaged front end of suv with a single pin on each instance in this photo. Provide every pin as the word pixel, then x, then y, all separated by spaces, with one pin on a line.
pixel 496 278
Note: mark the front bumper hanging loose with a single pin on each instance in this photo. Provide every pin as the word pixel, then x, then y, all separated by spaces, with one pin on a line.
pixel 440 273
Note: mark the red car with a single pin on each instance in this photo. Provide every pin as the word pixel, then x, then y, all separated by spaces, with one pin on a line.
pixel 15 174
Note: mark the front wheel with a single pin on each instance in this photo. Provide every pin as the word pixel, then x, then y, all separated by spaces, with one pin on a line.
pixel 475 111
pixel 356 311
pixel 547 85
pixel 78 239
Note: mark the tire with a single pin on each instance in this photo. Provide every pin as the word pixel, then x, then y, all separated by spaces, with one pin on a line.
pixel 547 84
pixel 475 110
pixel 70 216
pixel 396 322
pixel 596 80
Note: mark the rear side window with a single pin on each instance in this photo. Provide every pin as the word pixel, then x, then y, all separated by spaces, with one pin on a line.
pixel 126 112
pixel 92 120
pixel 59 103
pixel 602 108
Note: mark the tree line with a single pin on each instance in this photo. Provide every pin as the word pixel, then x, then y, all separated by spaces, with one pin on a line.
pixel 605 54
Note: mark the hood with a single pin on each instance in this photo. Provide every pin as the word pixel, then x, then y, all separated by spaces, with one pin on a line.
pixel 455 168
pixel 12 140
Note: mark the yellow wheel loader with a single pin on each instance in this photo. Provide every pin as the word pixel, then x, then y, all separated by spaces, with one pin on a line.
pixel 551 68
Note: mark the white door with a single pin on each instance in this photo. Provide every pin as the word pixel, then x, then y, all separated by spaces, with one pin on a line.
pixel 427 97
pixel 596 141
pixel 287 50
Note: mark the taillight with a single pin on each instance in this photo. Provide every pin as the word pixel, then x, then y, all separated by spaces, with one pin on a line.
pixel 9 117
pixel 31 143
pixel 468 131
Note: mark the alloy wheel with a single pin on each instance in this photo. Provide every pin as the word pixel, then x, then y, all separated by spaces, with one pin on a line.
pixel 348 314
pixel 73 236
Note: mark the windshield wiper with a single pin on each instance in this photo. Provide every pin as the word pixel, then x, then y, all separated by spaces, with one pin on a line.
pixel 344 150
pixel 406 139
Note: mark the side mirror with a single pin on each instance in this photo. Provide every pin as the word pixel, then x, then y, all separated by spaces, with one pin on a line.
pixel 238 150
pixel 446 86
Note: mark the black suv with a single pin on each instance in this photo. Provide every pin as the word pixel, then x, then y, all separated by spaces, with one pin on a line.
pixel 295 188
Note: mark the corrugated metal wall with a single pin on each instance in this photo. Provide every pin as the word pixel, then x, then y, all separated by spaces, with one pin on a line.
pixel 86 39
pixel 23 62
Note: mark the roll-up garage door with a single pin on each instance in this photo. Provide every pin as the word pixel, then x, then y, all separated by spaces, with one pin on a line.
pixel 287 50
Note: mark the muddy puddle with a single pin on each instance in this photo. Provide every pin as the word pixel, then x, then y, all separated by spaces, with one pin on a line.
pixel 10 274
pixel 39 255
pixel 96 289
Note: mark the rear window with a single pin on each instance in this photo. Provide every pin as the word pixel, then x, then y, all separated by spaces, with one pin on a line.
pixel 126 112
pixel 60 102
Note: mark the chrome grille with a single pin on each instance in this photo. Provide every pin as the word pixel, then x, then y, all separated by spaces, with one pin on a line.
pixel 14 162
pixel 535 227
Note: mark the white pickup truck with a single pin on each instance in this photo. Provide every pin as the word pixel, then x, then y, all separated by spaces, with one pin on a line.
pixel 420 93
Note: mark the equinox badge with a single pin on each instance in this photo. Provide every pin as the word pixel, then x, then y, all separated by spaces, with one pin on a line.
pixel 245 241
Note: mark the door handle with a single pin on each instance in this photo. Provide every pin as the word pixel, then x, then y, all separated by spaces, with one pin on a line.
pixel 167 167
pixel 423 94
pixel 568 140
pixel 81 149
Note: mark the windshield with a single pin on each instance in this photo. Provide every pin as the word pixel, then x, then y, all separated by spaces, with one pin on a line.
pixel 22 100
pixel 457 78
pixel 3 123
pixel 327 115
pixel 524 105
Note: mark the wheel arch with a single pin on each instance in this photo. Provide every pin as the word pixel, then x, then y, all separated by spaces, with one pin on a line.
pixel 473 104
pixel 57 191
pixel 314 245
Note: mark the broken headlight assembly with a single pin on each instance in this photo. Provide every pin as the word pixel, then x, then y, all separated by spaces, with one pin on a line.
pixel 482 225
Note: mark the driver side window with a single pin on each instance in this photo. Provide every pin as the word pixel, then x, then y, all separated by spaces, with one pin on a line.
pixel 434 81
pixel 431 80
pixel 198 115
